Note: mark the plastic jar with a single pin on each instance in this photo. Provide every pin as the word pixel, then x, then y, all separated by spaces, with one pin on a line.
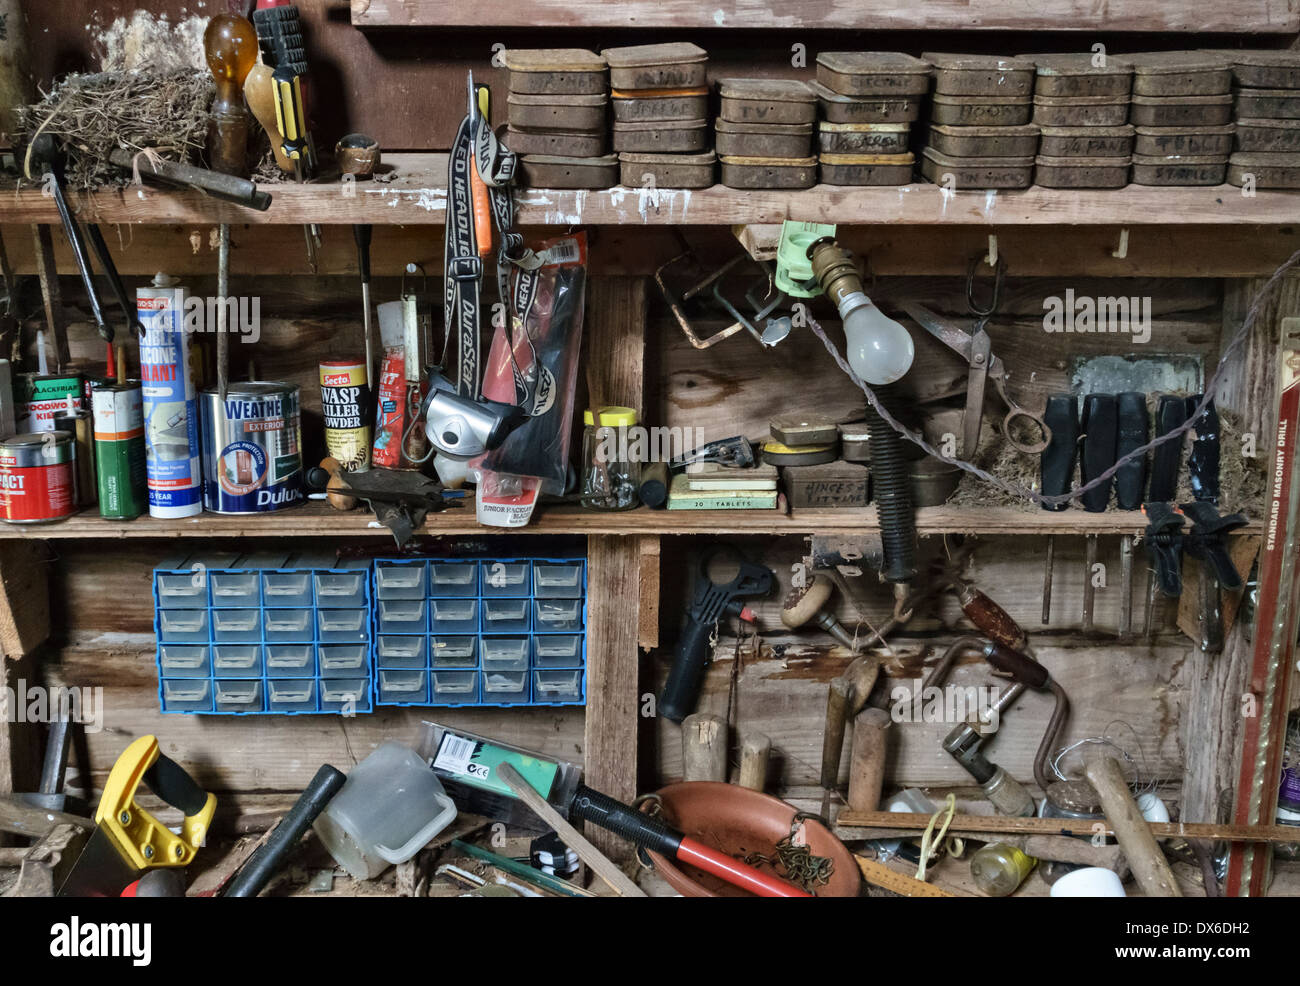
pixel 611 459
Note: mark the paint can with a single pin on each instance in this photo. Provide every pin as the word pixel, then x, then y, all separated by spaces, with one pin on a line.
pixel 37 481
pixel 252 448
pixel 77 423
pixel 345 405
pixel 171 425
pixel 38 398
pixel 118 413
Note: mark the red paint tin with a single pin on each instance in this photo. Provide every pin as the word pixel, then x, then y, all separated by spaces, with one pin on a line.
pixel 37 483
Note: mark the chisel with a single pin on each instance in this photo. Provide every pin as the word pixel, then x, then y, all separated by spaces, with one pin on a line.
pixel 1203 463
pixel 1134 430
pixel 1100 438
pixel 1171 412
pixel 1056 465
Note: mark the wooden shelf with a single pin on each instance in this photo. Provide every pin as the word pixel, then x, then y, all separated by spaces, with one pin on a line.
pixel 416 195
pixel 316 520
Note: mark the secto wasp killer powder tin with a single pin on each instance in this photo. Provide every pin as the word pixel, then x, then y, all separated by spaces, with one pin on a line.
pixel 36 477
pixel 252 448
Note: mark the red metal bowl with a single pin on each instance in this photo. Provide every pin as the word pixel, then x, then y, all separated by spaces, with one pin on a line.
pixel 739 821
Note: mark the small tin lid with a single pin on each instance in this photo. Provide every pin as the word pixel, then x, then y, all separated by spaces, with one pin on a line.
pixel 864 128
pixel 981 100
pixel 254 389
pixel 604 161
pixel 1126 130
pixel 766 129
pixel 611 417
pixel 1150 159
pixel 778 90
pixel 1222 130
pixel 873 62
pixel 1169 62
pixel 947 60
pixel 1068 101
pixel 1046 161
pixel 770 162
pixel 977 162
pixel 552 60
pixel 831 96
pixel 640 126
pixel 1023 130
pixel 1269 93
pixel 659 93
pixel 547 99
pixel 904 158
pixel 1271 124
pixel 1262 59
pixel 1216 100
pixel 1080 63
pixel 629 157
pixel 636 56
pixel 1289 161
pixel 35 439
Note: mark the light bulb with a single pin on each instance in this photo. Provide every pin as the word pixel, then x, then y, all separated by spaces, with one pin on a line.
pixel 880 350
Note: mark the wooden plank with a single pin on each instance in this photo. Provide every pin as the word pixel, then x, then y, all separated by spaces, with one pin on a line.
pixel 24 597
pixel 1231 17
pixel 648 628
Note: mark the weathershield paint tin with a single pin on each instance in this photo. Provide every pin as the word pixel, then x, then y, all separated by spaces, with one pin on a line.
pixel 171 424
pixel 118 414
pixel 252 442
pixel 345 405
pixel 37 483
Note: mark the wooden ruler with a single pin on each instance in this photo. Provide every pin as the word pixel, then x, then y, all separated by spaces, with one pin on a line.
pixel 880 875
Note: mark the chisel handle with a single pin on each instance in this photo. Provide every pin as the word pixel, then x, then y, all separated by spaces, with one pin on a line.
pixel 1056 462
pixel 1100 438
pixel 1134 429
pixel 1171 412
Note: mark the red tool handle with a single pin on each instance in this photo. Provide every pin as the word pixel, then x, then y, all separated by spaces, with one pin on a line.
pixel 739 874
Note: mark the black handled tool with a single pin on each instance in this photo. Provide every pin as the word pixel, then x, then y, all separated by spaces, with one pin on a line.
pixel 1133 432
pixel 1171 413
pixel 1203 463
pixel 228 188
pixel 1098 453
pixel 1056 472
pixel 710 603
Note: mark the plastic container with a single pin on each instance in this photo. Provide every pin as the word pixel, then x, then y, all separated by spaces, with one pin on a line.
pixel 505 579
pixel 184 660
pixel 287 625
pixel 238 626
pixel 505 687
pixel 557 615
pixel 505 615
pixel 291 695
pixel 346 695
pixel 557 580
pixel 389 808
pixel 403 687
pixel 557 650
pixel 236 696
pixel 287 589
pixel 236 589
pixel 290 660
pixel 1090 881
pixel 557 687
pixel 181 590
pixel 610 475
pixel 453 578
pixel 237 660
pixel 186 695
pixel 342 626
pixel 505 653
pixel 341 660
pixel 341 590
pixel 454 616
pixel 183 626
pixel 402 616
pixel 455 687
pixel 454 653
pixel 401 580
pixel 402 652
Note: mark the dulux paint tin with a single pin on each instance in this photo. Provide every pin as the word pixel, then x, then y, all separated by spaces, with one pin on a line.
pixel 252 448
pixel 37 477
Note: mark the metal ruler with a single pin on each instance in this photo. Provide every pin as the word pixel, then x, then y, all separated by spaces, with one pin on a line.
pixel 880 875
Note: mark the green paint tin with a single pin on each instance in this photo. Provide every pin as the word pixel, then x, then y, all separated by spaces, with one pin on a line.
pixel 118 412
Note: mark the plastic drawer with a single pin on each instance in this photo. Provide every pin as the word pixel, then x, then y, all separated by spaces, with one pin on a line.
pixel 555 687
pixel 404 687
pixel 453 653
pixel 505 653
pixel 455 616
pixel 505 687
pixel 342 660
pixel 186 695
pixel 453 578
pixel 236 626
pixel 342 626
pixel 505 615
pixel 501 578
pixel 237 660
pixel 402 652
pixel 236 695
pixel 557 650
pixel 183 626
pixel 236 590
pixel 285 589
pixel 291 660
pixel 402 616
pixel 557 615
pixel 182 590
pixel 455 687
pixel 557 580
pixel 401 580
pixel 291 694
pixel 184 661
pixel 340 590
pixel 346 695
pixel 287 626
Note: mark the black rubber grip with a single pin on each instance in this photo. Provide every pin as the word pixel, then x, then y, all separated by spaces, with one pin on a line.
pixel 1134 432
pixel 362 233
pixel 1056 462
pixel 636 827
pixel 168 779
pixel 677 700
pixel 1100 435
pixel 1203 463
pixel 1021 668
pixel 654 485
pixel 1171 412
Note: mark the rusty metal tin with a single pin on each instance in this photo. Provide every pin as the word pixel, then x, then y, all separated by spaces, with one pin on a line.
pixel 551 171
pixel 1075 74
pixel 555 142
pixel 788 140
pixel 676 65
pixel 980 75
pixel 867 169
pixel 977 172
pixel 556 71
pixel 1180 73
pixel 981 111
pixel 1268 136
pixel 766 101
pixel 863 138
pixel 1178 170
pixel 1196 141
pixel 640 106
pixel 1019 141
pixel 1266 170
pixel 668 170
pixel 837 108
pixel 572 114
pixel 1181 111
pixel 760 172
pixel 1081 172
pixel 1269 69
pixel 1094 142
pixel 666 137
pixel 1081 111
pixel 873 73
pixel 1268 104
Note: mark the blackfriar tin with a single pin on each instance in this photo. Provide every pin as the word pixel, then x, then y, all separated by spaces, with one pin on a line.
pixel 118 414
pixel 37 483
pixel 252 448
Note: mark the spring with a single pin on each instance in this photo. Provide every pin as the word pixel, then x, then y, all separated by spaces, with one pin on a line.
pixel 893 496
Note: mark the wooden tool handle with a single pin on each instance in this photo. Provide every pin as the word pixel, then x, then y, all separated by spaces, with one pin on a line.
pixel 867 761
pixel 259 90
pixel 704 747
pixel 837 714
pixel 755 750
pixel 1131 830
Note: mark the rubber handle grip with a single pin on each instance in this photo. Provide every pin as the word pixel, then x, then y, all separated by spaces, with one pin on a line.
pixel 1134 431
pixel 627 823
pixel 168 779
pixel 677 700
pixel 1056 462
pixel 362 233
pixel 1171 412
pixel 1021 668
pixel 1203 463
pixel 1100 437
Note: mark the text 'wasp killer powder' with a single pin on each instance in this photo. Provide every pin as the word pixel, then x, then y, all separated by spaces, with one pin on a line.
pixel 345 405
pixel 252 448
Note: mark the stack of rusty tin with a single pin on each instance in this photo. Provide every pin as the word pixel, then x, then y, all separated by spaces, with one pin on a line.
pixel 558 101
pixel 661 109
pixel 1081 106
pixel 764 133
pixel 980 133
pixel 1267 103
pixel 868 102
pixel 1182 111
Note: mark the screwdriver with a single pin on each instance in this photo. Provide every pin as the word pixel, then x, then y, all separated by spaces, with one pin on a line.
pixel 362 232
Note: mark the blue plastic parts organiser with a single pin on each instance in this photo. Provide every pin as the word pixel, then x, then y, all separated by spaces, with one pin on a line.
pixel 267 633
pixel 480 632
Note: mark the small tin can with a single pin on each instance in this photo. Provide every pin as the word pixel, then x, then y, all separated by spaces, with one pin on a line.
pixel 1081 172
pixel 676 136
pixel 1087 142
pixel 252 446
pixel 555 142
pixel 866 169
pixel 1268 136
pixel 38 398
pixel 1196 141
pixel 1081 111
pixel 769 172
pixel 1078 74
pixel 571 114
pixel 863 138
pixel 118 413
pixel 556 71
pixel 345 405
pixel 77 423
pixel 980 111
pixel 762 139
pixel 37 477
pixel 980 75
pixel 766 101
pixel 674 65
pixel 640 105
pixel 838 108
pixel 873 73
pixel 977 172
pixel 556 171
pixel 1264 170
pixel 1019 141
pixel 668 170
